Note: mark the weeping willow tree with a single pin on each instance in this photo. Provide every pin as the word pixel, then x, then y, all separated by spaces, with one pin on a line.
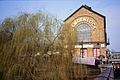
pixel 32 47
pixel 36 47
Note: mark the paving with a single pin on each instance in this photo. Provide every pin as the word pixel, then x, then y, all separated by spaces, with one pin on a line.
pixel 107 72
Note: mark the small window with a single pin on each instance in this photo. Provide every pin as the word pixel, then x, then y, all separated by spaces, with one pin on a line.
pixel 96 52
pixel 83 52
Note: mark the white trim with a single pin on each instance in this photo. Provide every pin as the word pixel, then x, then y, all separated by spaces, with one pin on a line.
pixel 84 46
pixel 102 45
pixel 88 46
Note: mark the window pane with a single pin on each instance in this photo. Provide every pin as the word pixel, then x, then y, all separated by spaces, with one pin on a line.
pixel 83 33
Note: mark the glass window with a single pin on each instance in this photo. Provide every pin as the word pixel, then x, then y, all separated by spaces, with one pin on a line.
pixel 83 33
pixel 83 52
pixel 96 52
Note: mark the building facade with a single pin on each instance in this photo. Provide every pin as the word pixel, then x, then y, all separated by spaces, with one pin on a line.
pixel 90 29
pixel 115 59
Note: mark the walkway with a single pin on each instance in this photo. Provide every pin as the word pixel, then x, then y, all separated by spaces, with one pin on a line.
pixel 107 72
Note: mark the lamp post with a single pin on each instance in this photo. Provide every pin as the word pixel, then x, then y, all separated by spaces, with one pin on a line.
pixel 83 65
pixel 81 59
pixel 82 49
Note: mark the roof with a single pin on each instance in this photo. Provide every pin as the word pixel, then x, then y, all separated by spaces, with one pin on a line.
pixel 115 52
pixel 86 7
pixel 115 60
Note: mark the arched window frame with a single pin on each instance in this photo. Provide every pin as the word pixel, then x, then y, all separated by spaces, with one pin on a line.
pixel 84 32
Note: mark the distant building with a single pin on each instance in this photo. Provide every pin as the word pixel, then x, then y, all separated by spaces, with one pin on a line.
pixel 91 32
pixel 115 59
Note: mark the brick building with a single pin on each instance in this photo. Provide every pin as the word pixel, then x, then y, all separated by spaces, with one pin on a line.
pixel 90 27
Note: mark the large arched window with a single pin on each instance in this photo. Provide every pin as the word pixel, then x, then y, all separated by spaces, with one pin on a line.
pixel 83 33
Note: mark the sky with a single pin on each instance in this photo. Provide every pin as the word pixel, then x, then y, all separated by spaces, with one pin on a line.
pixel 63 8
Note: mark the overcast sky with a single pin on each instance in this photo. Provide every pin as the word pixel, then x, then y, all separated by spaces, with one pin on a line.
pixel 63 8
